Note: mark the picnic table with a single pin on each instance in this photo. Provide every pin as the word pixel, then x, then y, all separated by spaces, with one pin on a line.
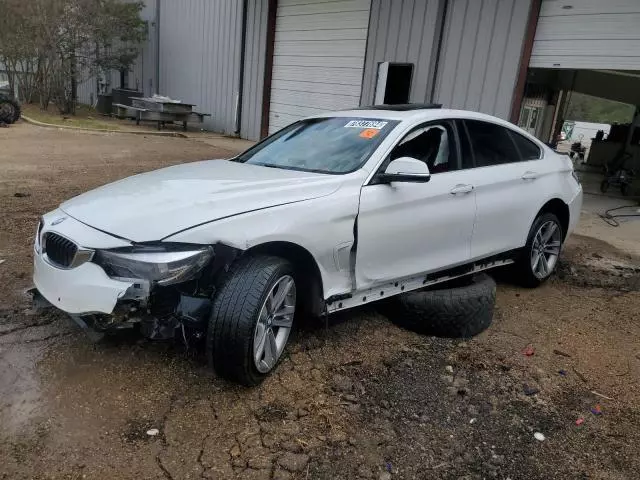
pixel 161 110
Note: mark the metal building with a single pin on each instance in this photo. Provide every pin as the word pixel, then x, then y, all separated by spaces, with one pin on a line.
pixel 257 65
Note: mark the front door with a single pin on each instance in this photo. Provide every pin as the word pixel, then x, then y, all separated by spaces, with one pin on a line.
pixel 406 229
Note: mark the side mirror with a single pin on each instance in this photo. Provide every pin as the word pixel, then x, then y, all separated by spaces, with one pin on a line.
pixel 405 169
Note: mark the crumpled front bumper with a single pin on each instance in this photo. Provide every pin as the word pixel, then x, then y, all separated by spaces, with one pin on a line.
pixel 86 288
pixel 82 290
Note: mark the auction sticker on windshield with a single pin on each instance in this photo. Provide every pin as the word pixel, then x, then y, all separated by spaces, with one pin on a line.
pixel 369 132
pixel 376 124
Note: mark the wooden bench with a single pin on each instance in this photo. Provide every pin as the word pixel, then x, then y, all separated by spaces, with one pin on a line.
pixel 138 114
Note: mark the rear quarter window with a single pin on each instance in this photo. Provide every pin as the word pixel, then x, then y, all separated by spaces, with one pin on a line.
pixel 528 150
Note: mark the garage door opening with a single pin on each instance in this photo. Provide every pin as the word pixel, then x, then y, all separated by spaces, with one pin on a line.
pixel 591 115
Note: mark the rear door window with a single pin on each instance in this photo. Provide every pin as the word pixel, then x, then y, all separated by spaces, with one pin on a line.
pixel 491 143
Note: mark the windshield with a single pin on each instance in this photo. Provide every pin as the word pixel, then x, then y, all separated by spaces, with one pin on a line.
pixel 324 145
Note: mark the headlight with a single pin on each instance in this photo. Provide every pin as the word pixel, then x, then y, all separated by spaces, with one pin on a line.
pixel 162 264
pixel 38 234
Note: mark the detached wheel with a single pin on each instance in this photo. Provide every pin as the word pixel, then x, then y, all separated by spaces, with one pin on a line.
pixel 458 312
pixel 251 319
pixel 9 110
pixel 539 257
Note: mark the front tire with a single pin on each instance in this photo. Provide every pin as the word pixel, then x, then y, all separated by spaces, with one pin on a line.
pixel 251 319
pixel 539 257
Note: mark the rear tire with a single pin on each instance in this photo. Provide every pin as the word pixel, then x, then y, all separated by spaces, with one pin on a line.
pixel 539 257
pixel 243 321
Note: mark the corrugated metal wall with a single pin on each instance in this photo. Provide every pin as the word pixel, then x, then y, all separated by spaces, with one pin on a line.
pixel 143 71
pixel 405 31
pixel 200 57
pixel 254 64
pixel 592 34
pixel 480 56
pixel 86 88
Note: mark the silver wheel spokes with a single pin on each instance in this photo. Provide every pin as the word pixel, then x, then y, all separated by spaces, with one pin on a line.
pixel 274 324
pixel 545 249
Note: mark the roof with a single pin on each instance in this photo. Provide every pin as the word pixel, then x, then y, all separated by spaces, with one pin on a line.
pixel 403 107
pixel 425 115
pixel 413 114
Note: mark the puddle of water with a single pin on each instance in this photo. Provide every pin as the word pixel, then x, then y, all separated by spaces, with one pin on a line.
pixel 20 388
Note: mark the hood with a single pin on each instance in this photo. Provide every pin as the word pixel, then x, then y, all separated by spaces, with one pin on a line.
pixel 154 205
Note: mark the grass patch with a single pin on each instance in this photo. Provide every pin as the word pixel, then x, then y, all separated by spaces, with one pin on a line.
pixel 85 117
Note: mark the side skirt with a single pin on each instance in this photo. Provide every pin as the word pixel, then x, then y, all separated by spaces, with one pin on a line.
pixel 385 290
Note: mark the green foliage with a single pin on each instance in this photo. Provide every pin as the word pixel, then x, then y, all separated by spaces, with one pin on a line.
pixel 585 108
pixel 49 46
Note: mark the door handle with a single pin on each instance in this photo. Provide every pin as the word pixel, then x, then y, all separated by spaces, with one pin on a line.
pixel 461 189
pixel 529 175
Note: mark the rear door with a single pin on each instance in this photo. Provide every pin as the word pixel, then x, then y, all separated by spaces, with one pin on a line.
pixel 506 173
pixel 409 228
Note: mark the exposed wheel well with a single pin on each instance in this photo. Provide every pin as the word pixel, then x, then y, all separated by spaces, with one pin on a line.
pixel 560 210
pixel 308 272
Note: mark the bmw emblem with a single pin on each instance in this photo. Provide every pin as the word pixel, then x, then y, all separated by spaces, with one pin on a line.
pixel 58 221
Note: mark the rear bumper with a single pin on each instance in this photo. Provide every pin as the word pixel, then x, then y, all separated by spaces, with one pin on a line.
pixel 82 290
pixel 575 207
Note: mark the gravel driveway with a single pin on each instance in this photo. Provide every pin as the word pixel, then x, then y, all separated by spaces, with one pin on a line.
pixel 359 399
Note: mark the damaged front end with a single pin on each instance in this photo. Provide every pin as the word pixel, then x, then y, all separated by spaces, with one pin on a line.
pixel 162 289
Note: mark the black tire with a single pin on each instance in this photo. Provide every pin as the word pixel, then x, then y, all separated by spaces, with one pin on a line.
pixel 9 110
pixel 604 186
pixel 234 314
pixel 17 113
pixel 625 190
pixel 459 312
pixel 522 271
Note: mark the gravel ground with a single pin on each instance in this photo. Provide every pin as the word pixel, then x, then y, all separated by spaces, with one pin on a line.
pixel 359 399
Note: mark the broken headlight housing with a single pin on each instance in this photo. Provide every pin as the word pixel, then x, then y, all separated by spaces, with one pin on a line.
pixel 162 264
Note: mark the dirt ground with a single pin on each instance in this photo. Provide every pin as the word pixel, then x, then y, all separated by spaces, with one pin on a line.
pixel 360 399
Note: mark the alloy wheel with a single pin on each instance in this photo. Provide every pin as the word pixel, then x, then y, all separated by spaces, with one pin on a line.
pixel 545 249
pixel 274 324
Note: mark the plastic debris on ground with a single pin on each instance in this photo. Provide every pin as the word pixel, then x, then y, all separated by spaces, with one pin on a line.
pixel 539 436
pixel 596 410
pixel 529 351
pixel 562 372
pixel 152 432
pixel 580 421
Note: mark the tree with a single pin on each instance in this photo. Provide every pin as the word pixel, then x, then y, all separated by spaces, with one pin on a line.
pixel 586 108
pixel 49 45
